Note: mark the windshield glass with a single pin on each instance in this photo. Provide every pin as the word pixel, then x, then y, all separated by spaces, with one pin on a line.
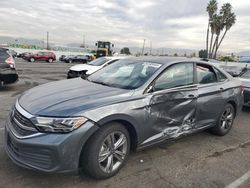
pixel 126 74
pixel 98 62
pixel 246 74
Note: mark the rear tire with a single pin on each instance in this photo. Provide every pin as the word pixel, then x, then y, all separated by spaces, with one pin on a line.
pixel 50 60
pixel 106 151
pixel 225 121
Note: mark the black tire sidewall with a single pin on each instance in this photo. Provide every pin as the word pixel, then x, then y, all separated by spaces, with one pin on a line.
pixel 89 159
pixel 218 129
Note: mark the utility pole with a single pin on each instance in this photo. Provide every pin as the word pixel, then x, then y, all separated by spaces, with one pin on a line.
pixel 47 40
pixel 142 52
pixel 150 47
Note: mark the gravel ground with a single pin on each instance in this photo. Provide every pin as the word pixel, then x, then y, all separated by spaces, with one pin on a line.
pixel 200 160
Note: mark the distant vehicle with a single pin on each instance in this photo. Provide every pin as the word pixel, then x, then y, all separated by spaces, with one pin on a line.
pixel 245 80
pixel 62 57
pixel 42 56
pixel 104 49
pixel 24 54
pixel 8 73
pixel 234 71
pixel 13 53
pixel 76 58
pixel 91 67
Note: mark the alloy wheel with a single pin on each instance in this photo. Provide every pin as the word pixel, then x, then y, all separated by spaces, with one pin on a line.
pixel 113 152
pixel 227 118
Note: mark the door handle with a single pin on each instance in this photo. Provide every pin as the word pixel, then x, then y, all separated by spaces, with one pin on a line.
pixel 191 96
pixel 221 89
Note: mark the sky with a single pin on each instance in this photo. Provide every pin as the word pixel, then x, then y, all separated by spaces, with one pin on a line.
pixel 167 23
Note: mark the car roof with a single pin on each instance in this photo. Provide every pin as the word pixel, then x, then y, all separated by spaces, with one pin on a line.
pixel 167 60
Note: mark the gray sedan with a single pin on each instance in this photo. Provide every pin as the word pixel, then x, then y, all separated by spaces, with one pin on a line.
pixel 134 103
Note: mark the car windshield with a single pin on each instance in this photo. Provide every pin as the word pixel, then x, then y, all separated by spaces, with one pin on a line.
pixel 99 61
pixel 125 74
pixel 246 74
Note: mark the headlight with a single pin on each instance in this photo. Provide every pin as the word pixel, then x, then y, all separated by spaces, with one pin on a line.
pixel 58 125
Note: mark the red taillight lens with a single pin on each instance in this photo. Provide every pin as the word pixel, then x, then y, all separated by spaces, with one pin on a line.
pixel 10 61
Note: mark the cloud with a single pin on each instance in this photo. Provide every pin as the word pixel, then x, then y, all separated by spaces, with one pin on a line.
pixel 174 24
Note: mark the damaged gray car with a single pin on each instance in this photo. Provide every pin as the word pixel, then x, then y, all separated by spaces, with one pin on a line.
pixel 92 124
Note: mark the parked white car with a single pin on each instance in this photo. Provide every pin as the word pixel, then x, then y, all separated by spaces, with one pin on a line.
pixel 245 80
pixel 91 67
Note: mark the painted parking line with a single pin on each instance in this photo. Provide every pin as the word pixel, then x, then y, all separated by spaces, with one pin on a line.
pixel 239 181
pixel 1 128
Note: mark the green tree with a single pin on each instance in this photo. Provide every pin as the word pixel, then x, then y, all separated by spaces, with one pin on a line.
pixel 125 50
pixel 176 55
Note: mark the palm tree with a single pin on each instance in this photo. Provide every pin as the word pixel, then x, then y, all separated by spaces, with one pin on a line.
pixel 218 27
pixel 229 19
pixel 213 25
pixel 212 10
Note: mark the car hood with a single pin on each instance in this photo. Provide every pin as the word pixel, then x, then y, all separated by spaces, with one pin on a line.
pixel 245 82
pixel 90 68
pixel 70 97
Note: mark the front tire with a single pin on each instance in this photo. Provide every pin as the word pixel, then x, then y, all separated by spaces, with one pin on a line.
pixel 225 121
pixel 106 151
pixel 32 60
pixel 50 60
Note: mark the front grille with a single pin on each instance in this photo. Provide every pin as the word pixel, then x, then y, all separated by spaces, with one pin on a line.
pixel 246 96
pixel 22 125
pixel 77 73
pixel 33 156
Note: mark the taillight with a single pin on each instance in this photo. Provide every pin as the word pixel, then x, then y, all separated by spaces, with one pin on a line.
pixel 11 62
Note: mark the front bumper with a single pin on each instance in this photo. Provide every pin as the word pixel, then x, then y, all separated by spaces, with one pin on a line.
pixel 76 74
pixel 246 97
pixel 47 152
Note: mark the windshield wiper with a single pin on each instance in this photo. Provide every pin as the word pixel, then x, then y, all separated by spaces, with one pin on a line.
pixel 102 83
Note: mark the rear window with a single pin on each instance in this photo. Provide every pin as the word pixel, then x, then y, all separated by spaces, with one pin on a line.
pixel 3 55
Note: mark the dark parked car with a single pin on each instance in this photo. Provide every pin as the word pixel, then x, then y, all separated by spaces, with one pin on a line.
pixel 93 124
pixel 13 53
pixel 41 56
pixel 62 58
pixel 8 73
pixel 24 55
pixel 245 79
pixel 77 58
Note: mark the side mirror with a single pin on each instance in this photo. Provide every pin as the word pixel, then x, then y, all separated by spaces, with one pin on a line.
pixel 96 44
pixel 113 45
